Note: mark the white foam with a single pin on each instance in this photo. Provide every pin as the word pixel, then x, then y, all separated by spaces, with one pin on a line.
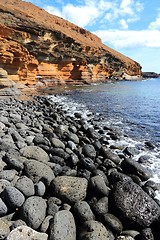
pixel 153 162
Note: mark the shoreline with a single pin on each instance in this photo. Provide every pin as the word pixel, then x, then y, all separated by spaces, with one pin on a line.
pixel 63 164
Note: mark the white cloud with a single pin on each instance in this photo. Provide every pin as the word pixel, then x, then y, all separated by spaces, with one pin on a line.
pixel 130 39
pixel 86 13
pixel 155 25
pixel 80 15
pixel 53 10
pixel 124 24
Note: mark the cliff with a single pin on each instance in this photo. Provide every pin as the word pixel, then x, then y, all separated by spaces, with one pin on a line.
pixel 36 46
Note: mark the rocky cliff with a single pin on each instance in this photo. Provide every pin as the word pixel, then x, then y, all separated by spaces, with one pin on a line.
pixel 36 46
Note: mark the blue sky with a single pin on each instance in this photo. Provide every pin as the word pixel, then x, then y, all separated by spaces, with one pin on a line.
pixel 131 27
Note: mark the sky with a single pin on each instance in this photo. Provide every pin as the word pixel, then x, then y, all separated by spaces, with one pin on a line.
pixel 131 27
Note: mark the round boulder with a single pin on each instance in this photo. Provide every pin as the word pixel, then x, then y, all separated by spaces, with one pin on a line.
pixel 33 211
pixel 35 152
pixel 37 171
pixel 134 205
pixel 91 230
pixel 13 197
pixel 70 189
pixel 63 226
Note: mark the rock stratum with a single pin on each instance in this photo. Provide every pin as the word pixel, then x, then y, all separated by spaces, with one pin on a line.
pixel 36 46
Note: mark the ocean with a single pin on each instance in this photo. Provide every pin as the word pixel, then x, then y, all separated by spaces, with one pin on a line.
pixel 132 107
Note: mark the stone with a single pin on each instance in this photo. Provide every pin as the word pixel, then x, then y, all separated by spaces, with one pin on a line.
pixel 3 208
pixel 69 189
pixel 94 230
pixel 13 197
pixel 52 207
pixel 8 174
pixel 113 223
pixel 98 185
pixel 27 233
pixel 40 188
pixel 35 152
pixel 13 162
pixel 3 184
pixel 101 206
pixel 107 153
pixel 33 211
pixel 131 151
pixel 57 143
pixel 134 205
pixel 147 234
pixel 45 224
pixel 132 167
pixel 4 229
pixel 63 226
pixel 83 211
pixel 25 185
pixel 37 171
pixel 17 223
pixel 87 163
pixel 89 151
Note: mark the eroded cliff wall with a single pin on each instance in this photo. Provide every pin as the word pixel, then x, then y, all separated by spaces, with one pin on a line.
pixel 37 46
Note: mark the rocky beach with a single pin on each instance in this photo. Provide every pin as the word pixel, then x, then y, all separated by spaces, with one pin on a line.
pixel 61 179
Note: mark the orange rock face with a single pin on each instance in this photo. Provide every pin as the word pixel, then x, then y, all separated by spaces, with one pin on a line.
pixel 37 46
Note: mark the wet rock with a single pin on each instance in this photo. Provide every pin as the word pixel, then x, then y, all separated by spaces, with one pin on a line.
pixel 131 151
pixel 91 230
pixel 35 152
pixel 63 226
pixel 13 197
pixel 89 151
pixel 83 211
pixel 70 189
pixel 134 205
pixel 33 211
pixel 132 167
pixel 27 233
pixel 107 153
pixel 37 171
pixel 25 185
pixel 87 163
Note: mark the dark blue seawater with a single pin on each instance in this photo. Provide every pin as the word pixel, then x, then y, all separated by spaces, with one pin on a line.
pixel 133 106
